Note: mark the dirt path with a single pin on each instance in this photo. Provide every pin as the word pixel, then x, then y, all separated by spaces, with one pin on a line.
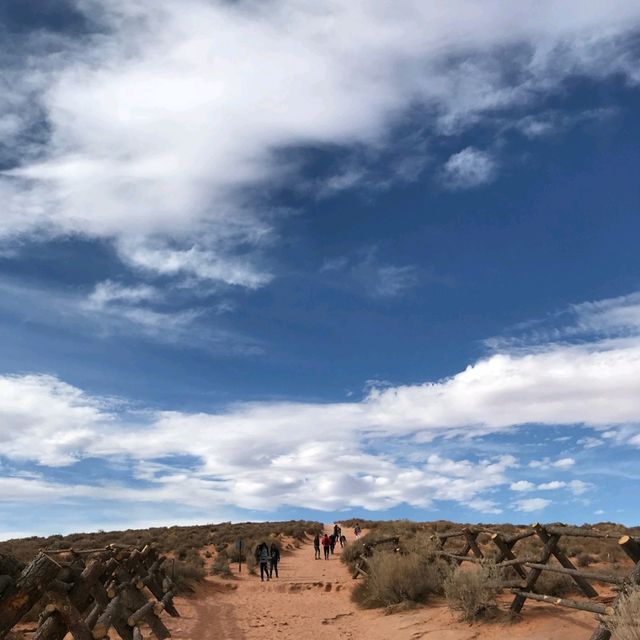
pixel 312 599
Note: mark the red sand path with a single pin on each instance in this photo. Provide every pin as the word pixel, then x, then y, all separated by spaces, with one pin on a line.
pixel 312 601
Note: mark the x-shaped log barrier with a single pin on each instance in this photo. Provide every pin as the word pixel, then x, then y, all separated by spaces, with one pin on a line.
pixel 550 548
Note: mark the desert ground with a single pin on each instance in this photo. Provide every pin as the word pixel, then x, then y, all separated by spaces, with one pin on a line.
pixel 312 599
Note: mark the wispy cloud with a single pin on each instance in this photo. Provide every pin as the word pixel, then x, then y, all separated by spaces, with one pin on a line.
pixel 469 168
pixel 367 274
pixel 529 505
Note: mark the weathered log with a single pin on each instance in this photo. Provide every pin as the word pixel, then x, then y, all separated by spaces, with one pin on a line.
pixel 107 618
pixel 506 553
pixel 588 575
pixel 5 582
pixel 70 616
pixel 449 534
pixel 511 540
pixel 584 586
pixel 141 614
pixel 19 597
pixel 137 634
pixel 592 607
pixel 577 532
pixel 470 537
pixel 534 574
pixel 631 547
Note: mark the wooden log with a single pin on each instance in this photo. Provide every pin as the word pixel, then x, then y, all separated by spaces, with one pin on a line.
pixel 592 607
pixel 584 586
pixel 449 534
pixel 19 597
pixel 506 553
pixel 141 614
pixel 519 536
pixel 534 574
pixel 137 634
pixel 631 547
pixel 588 575
pixel 577 532
pixel 70 616
pixel 107 618
pixel 5 582
pixel 470 537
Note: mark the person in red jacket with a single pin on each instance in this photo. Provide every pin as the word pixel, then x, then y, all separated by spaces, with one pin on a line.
pixel 326 546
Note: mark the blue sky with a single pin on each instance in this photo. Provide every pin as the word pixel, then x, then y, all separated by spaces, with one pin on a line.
pixel 271 261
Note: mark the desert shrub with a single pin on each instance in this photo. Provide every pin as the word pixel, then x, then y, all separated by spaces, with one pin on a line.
pixel 184 574
pixel 625 622
pixel 554 584
pixel 473 592
pixel 585 559
pixel 393 578
pixel 351 552
pixel 220 567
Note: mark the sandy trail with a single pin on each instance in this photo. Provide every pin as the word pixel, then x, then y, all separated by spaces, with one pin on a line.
pixel 312 599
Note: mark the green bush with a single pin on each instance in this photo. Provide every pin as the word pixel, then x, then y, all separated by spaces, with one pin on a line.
pixel 220 567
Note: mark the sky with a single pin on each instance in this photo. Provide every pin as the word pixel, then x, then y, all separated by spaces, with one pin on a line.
pixel 273 260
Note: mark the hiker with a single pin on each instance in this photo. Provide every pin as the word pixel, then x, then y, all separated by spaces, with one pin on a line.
pixel 316 546
pixel 343 540
pixel 357 531
pixel 326 543
pixel 275 558
pixel 263 557
pixel 336 531
pixel 332 542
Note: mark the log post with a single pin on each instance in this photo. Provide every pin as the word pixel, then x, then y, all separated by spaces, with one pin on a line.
pixel 631 547
pixel 584 586
pixel 506 553
pixel 70 616
pixel 18 598
pixel 534 574
pixel 587 575
pixel 470 537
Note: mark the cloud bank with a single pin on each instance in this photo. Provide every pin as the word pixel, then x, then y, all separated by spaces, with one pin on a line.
pixel 157 130
pixel 373 453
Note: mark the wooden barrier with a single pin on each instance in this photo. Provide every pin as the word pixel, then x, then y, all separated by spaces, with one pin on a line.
pixel 87 593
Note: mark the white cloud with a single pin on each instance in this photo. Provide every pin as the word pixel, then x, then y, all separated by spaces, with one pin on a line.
pixel 342 454
pixel 157 128
pixel 469 168
pixel 522 485
pixel 532 504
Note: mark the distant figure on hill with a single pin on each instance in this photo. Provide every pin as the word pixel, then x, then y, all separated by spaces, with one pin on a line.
pixel 326 545
pixel 336 531
pixel 316 546
pixel 275 558
pixel 357 531
pixel 343 540
pixel 262 558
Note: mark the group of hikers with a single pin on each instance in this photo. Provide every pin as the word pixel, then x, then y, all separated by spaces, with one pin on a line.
pixel 328 542
pixel 268 559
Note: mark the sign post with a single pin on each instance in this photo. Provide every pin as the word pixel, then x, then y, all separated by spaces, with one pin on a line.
pixel 240 548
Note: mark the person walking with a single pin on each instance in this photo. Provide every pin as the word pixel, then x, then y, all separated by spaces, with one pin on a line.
pixel 263 557
pixel 326 545
pixel 275 558
pixel 343 540
pixel 332 542
pixel 316 546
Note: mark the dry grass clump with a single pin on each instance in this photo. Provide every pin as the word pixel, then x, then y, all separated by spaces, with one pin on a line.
pixel 473 592
pixel 220 566
pixel 394 579
pixel 555 584
pixel 625 623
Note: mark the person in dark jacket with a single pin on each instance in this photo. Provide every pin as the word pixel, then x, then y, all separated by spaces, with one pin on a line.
pixel 263 557
pixel 275 558
pixel 316 546
pixel 332 542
